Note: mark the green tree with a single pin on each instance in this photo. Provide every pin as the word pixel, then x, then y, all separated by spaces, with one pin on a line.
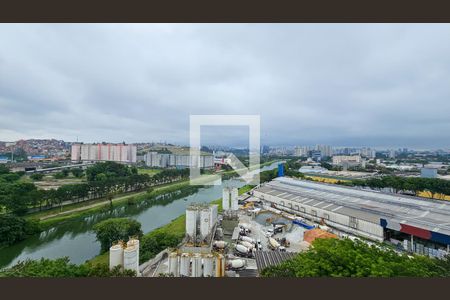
pixel 4 169
pixel 154 243
pixel 37 176
pixel 77 172
pixel 18 196
pixel 59 175
pixel 62 267
pixel 14 229
pixel 109 169
pixel 347 258
pixel 10 177
pixel 116 229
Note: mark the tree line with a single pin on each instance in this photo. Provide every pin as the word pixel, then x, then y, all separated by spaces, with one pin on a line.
pixel 404 185
pixel 103 179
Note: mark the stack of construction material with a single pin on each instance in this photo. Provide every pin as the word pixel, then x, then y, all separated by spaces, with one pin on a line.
pixel 316 233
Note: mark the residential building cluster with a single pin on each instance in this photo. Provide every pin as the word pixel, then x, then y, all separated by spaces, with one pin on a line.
pixel 104 152
pixel 38 147
pixel 317 152
pixel 170 160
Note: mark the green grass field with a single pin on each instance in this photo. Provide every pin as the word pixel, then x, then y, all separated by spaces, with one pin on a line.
pixel 150 172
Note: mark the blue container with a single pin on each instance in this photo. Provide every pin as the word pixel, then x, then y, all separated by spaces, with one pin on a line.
pixel 280 170
pixel 307 226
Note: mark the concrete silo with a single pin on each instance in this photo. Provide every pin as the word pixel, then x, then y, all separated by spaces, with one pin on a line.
pixel 226 199
pixel 234 199
pixel 205 222
pixel 131 259
pixel 213 209
pixel 115 256
pixel 173 264
pixel 191 222
pixel 185 263
pixel 135 243
pixel 208 265
pixel 196 266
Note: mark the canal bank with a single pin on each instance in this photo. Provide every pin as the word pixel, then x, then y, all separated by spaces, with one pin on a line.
pixel 47 222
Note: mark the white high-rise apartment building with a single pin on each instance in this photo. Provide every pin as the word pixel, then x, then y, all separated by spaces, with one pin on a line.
pixel 368 152
pixel 104 152
pixel 302 150
pixel 325 150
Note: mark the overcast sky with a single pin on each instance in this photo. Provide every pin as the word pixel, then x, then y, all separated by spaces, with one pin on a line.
pixel 339 84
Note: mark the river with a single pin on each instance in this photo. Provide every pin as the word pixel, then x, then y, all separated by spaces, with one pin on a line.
pixel 76 240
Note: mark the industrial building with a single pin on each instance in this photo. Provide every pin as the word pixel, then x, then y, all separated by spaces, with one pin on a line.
pixel 168 160
pixel 204 252
pixel 419 225
pixel 347 161
pixel 104 152
pixel 429 172
pixel 339 160
pixel 194 258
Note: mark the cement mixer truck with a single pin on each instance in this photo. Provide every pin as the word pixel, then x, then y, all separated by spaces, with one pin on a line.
pixel 247 239
pixel 236 264
pixel 241 250
pixel 219 244
pixel 273 244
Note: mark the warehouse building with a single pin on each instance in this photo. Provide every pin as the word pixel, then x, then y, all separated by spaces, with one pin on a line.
pixel 421 225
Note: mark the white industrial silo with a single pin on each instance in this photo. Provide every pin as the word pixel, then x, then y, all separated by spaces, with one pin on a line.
pixel 234 199
pixel 196 266
pixel 208 265
pixel 115 256
pixel 130 259
pixel 213 209
pixel 226 199
pixel 191 222
pixel 173 264
pixel 185 262
pixel 204 223
pixel 135 243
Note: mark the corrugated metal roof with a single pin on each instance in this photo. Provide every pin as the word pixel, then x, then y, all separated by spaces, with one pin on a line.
pixel 366 205
pixel 248 273
pixel 266 259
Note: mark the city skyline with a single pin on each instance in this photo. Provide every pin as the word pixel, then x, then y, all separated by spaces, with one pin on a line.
pixel 274 146
pixel 374 85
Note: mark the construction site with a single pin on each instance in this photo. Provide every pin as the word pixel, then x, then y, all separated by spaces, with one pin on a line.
pixel 239 241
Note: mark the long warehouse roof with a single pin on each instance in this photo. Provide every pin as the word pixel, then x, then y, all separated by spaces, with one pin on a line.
pixel 429 214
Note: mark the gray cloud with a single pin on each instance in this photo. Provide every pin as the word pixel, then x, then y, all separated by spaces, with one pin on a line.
pixel 343 84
